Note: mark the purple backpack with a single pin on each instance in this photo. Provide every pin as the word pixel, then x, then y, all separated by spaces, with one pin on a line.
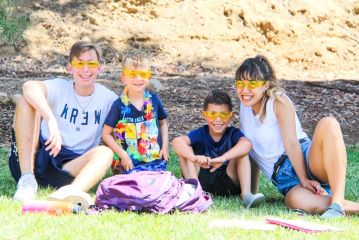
pixel 150 191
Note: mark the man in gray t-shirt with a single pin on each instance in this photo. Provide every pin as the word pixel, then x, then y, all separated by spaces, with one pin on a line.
pixel 57 129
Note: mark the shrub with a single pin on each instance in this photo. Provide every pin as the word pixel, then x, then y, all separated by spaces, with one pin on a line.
pixel 12 24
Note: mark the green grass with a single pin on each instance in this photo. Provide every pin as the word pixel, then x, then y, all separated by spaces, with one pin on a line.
pixel 127 225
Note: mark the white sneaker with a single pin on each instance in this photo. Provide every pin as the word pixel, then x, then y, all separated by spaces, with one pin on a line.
pixel 69 193
pixel 26 188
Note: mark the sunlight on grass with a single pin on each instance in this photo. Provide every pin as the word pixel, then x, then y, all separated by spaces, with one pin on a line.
pixel 127 225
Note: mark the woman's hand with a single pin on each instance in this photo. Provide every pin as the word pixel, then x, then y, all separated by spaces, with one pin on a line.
pixel 313 186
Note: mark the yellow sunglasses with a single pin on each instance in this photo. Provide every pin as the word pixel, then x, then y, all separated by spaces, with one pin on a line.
pixel 224 116
pixel 252 84
pixel 81 64
pixel 134 73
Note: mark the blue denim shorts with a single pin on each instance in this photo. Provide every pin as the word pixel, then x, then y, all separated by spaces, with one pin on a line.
pixel 286 178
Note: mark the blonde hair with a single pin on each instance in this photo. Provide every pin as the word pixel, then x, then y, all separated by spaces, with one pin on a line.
pixel 139 58
pixel 136 58
pixel 260 69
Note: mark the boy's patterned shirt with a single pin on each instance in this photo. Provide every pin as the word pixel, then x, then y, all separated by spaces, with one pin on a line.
pixel 137 131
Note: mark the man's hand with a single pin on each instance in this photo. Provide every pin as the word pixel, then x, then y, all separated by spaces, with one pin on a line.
pixel 54 142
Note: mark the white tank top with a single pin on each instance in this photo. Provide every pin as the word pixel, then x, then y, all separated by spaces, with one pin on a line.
pixel 265 136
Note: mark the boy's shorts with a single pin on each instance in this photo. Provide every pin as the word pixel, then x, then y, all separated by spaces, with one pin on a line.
pixel 286 178
pixel 218 183
pixel 157 165
pixel 47 169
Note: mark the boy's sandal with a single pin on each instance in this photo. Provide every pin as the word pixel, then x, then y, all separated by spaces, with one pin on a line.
pixel 333 211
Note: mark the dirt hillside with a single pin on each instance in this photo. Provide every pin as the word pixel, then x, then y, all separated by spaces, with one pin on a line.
pixel 196 46
pixel 307 40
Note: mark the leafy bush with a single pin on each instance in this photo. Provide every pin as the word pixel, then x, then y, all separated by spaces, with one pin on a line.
pixel 12 24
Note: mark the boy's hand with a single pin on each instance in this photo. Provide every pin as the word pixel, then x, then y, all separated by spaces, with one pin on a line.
pixel 164 154
pixel 202 161
pixel 216 163
pixel 126 163
pixel 54 141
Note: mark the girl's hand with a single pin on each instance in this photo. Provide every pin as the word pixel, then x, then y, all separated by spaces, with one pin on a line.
pixel 313 186
pixel 126 163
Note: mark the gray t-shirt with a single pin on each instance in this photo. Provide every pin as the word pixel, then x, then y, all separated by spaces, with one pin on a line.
pixel 80 119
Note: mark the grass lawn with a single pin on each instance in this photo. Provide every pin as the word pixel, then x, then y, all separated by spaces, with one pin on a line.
pixel 112 225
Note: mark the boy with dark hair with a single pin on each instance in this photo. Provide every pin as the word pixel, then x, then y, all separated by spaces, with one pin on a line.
pixel 216 154
pixel 57 126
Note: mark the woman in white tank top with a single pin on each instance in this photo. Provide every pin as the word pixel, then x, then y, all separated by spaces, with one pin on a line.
pixel 310 173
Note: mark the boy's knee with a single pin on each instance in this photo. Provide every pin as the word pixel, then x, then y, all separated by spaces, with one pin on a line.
pixel 243 159
pixel 21 103
pixel 23 107
pixel 20 100
pixel 103 154
pixel 105 150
